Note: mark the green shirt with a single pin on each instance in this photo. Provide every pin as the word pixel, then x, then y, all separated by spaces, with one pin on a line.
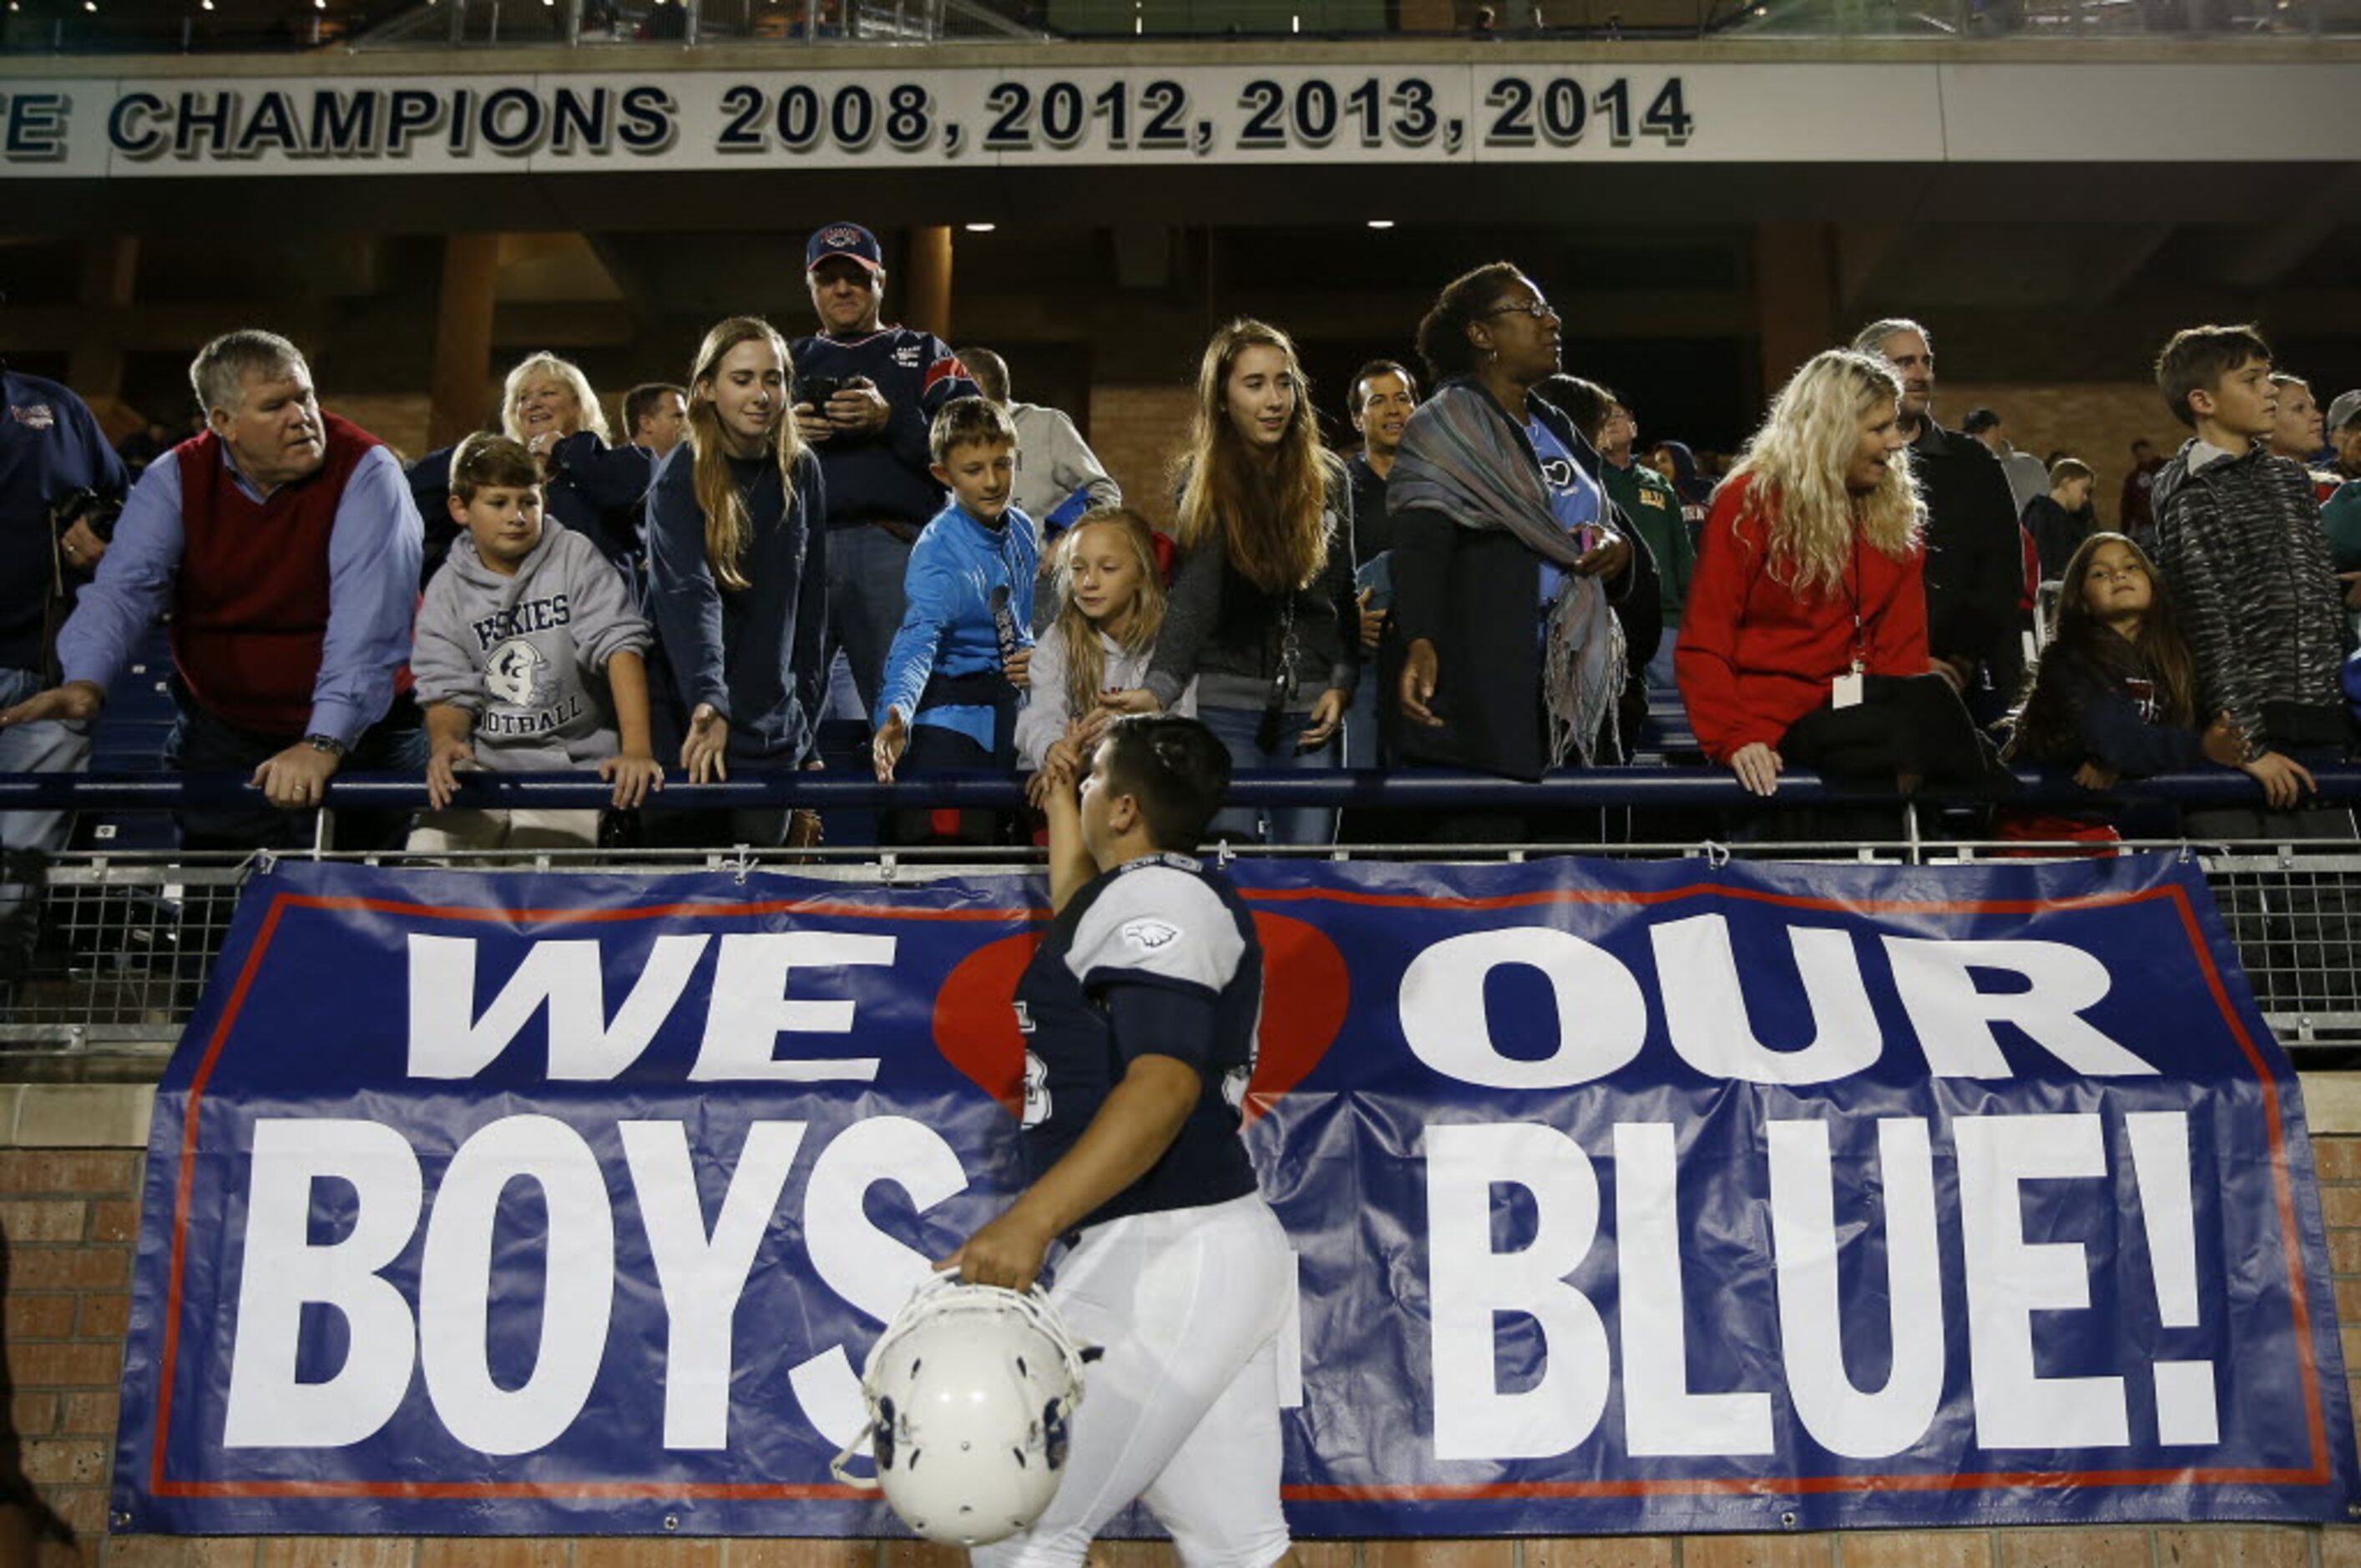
pixel 2340 518
pixel 1654 509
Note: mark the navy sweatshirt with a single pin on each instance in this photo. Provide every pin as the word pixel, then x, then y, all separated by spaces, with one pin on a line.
pixel 755 654
pixel 881 476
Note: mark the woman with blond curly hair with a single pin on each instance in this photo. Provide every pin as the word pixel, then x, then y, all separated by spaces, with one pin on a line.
pixel 1263 613
pixel 1805 640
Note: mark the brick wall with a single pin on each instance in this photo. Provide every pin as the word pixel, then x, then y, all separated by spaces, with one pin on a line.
pixel 1137 430
pixel 399 419
pixel 2095 420
pixel 69 1214
pixel 70 1217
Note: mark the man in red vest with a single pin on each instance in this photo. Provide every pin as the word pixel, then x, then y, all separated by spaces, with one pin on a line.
pixel 284 542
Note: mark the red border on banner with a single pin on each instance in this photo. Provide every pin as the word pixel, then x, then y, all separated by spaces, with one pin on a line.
pixel 2319 1473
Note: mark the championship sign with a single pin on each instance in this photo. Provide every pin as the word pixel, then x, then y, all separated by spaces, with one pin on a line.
pixel 612 111
pixel 1624 1197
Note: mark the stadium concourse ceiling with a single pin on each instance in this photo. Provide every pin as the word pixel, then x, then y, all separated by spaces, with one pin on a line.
pixel 2036 195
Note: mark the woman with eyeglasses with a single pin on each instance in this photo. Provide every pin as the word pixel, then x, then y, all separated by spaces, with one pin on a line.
pixel 592 487
pixel 1263 613
pixel 1508 553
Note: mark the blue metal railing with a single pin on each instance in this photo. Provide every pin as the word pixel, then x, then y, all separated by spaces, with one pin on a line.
pixel 1419 789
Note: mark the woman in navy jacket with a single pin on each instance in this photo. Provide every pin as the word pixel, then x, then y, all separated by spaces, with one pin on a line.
pixel 597 489
pixel 737 571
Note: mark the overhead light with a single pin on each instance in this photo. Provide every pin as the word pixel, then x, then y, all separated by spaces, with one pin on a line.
pixel 1381 223
pixel 980 228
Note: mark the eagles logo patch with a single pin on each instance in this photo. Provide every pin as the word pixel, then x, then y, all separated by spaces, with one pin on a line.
pixel 1149 935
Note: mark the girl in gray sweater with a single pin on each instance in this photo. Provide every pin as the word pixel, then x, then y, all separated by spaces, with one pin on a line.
pixel 1263 607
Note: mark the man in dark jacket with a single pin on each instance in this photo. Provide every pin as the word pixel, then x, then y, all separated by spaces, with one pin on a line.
pixel 1975 556
pixel 2061 519
pixel 866 395
pixel 2136 513
pixel 53 454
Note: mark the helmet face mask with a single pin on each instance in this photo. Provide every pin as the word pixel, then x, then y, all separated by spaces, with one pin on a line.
pixel 970 1391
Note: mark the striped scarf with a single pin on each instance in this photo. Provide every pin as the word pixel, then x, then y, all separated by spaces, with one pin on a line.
pixel 1461 455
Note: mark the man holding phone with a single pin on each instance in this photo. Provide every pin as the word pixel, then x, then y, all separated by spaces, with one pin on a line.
pixel 867 396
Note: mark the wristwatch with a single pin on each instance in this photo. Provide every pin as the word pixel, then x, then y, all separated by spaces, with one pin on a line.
pixel 328 743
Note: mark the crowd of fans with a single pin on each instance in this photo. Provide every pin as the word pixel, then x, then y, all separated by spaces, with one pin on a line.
pixel 862 524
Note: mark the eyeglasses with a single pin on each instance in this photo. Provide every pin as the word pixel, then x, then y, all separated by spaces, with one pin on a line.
pixel 1537 308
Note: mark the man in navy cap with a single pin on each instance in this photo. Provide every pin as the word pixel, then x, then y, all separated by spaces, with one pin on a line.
pixel 867 396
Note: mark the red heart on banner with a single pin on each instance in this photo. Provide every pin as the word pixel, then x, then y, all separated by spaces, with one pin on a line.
pixel 975 1018
pixel 1306 991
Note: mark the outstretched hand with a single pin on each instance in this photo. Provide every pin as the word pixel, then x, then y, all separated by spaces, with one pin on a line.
pixel 297 778
pixel 635 776
pixel 885 748
pixel 1606 558
pixel 1757 767
pixel 703 750
pixel 70 702
pixel 444 765
pixel 2285 781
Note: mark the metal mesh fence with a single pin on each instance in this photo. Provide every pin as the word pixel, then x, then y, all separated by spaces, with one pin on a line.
pixel 127 943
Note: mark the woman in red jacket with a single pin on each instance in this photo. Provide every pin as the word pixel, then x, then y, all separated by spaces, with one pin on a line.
pixel 1805 637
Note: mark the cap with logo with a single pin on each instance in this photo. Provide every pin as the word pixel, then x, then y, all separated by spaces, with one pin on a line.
pixel 2344 411
pixel 848 240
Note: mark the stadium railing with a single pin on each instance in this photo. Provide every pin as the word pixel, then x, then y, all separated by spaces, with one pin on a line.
pixel 129 935
pixel 73 27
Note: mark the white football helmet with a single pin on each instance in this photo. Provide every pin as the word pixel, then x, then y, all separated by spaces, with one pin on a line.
pixel 970 1391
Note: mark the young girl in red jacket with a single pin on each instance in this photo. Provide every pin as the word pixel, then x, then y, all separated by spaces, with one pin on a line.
pixel 1805 638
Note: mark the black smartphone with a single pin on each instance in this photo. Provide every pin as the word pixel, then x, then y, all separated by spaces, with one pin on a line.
pixel 817 390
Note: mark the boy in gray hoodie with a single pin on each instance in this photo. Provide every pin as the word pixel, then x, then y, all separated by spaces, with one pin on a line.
pixel 528 658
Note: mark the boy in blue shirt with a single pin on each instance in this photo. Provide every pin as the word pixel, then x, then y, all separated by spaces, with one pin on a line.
pixel 951 681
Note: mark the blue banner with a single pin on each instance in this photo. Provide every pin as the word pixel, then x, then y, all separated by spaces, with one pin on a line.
pixel 1625 1197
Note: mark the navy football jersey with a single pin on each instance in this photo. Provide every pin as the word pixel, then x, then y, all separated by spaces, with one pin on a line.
pixel 1156 958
